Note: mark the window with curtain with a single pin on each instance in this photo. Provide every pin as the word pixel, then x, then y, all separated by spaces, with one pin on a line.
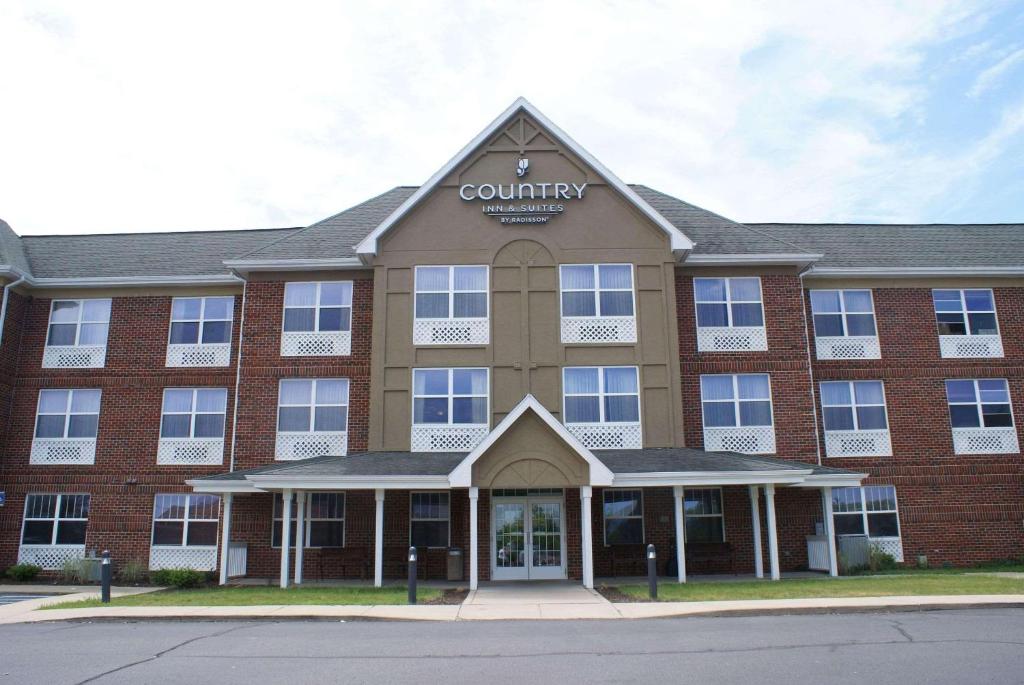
pixel 843 313
pixel 450 396
pixel 853 405
pixel 596 289
pixel 318 307
pixel 965 312
pixel 313 406
pixel 429 518
pixel 68 414
pixel 201 320
pixel 325 520
pixel 451 292
pixel 979 403
pixel 728 302
pixel 623 517
pixel 870 510
pixel 55 519
pixel 193 413
pixel 601 394
pixel 736 400
pixel 78 322
pixel 182 520
pixel 702 511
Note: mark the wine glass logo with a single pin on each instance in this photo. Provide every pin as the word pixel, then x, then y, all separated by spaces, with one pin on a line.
pixel 523 167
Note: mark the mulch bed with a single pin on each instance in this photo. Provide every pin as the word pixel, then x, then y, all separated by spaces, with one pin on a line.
pixel 456 596
pixel 612 594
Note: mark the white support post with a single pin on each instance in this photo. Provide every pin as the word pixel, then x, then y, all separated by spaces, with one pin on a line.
pixel 586 533
pixel 474 543
pixel 286 534
pixel 225 541
pixel 773 538
pixel 677 493
pixel 830 532
pixel 755 514
pixel 300 533
pixel 378 540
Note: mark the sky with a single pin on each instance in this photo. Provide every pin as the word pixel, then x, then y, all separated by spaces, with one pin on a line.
pixel 143 116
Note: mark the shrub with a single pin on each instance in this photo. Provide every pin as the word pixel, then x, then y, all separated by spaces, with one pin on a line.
pixel 880 561
pixel 74 571
pixel 178 577
pixel 23 572
pixel 132 572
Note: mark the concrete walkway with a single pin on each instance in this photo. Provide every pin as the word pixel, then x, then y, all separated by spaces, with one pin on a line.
pixel 533 600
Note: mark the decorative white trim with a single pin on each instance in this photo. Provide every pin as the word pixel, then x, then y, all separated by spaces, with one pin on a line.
pixel 913 271
pixel 598 329
pixel 970 346
pixel 743 439
pixel 732 339
pixel 294 264
pixel 890 546
pixel 847 347
pixel 316 344
pixel 985 441
pixel 190 451
pixel 712 478
pixel 446 437
pixel 196 355
pixel 795 258
pixel 175 556
pixel 74 356
pixel 858 443
pixel 476 331
pixel 293 446
pixel 49 557
pixel 608 436
pixel 46 451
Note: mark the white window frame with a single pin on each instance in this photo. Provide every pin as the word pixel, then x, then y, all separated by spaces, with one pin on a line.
pixel 728 301
pixel 853 407
pixel 451 396
pixel 202 320
pixel 67 413
pixel 601 395
pixel 448 520
pixel 736 401
pixel 277 517
pixel 78 323
pixel 192 414
pixel 842 313
pixel 966 314
pixel 719 515
pixel 978 405
pixel 605 518
pixel 317 307
pixel 312 406
pixel 864 513
pixel 56 518
pixel 186 520
pixel 450 292
pixel 596 291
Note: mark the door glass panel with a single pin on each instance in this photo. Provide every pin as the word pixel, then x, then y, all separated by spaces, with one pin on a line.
pixel 509 535
pixel 547 534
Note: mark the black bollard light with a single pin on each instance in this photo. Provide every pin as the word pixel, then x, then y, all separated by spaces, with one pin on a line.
pixel 105 574
pixel 412 575
pixel 652 572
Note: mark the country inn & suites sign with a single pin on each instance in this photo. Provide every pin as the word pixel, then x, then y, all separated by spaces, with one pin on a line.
pixel 520 212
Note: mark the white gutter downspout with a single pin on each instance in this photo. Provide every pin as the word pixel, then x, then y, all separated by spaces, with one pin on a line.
pixel 810 366
pixel 238 371
pixel 3 305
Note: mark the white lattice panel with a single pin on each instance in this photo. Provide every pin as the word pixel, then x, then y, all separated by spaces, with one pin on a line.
pixel 238 559
pixel 817 553
pixel 74 357
pixel 891 546
pixel 852 347
pixel 218 354
pixel 292 446
pixel 985 441
pixel 63 451
pixel 49 557
pixel 735 339
pixel 954 346
pixel 598 329
pixel 198 558
pixel 865 443
pixel 625 436
pixel 745 439
pixel 447 438
pixel 316 344
pixel 190 451
pixel 451 331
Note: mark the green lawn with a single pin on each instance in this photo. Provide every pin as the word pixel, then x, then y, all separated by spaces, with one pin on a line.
pixel 859 586
pixel 251 596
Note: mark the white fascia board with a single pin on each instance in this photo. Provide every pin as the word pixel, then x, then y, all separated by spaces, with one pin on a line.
pixel 282 482
pixel 666 478
pixel 783 258
pixel 368 246
pixel 247 265
pixel 833 480
pixel 912 271
pixel 132 281
pixel 222 486
pixel 462 475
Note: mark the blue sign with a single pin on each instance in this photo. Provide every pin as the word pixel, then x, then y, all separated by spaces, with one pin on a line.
pixel 3 497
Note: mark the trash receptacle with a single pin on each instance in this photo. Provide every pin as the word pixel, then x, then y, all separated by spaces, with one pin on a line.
pixel 454 564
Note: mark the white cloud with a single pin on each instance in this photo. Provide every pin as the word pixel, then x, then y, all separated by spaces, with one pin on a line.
pixel 991 76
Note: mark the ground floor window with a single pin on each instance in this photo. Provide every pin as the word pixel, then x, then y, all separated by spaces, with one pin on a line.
pixel 325 520
pixel 185 520
pixel 703 513
pixel 623 517
pixel 429 519
pixel 869 510
pixel 55 519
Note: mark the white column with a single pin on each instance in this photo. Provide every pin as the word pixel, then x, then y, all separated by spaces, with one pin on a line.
pixel 773 538
pixel 378 540
pixel 830 532
pixel 586 533
pixel 755 513
pixel 225 541
pixel 474 542
pixel 677 492
pixel 300 533
pixel 286 534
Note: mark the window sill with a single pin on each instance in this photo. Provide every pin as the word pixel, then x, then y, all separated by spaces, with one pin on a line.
pixel 858 443
pixel 607 436
pixel 732 339
pixel 459 332
pixel 596 330
pixel 970 346
pixel 447 437
pixel 199 355
pixel 743 439
pixel 190 451
pixel 985 441
pixel 48 451
pixel 292 446
pixel 316 344
pixel 847 347
pixel 74 356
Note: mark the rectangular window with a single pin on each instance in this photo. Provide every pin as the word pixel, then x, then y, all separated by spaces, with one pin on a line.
pixel 185 520
pixel 318 307
pixel 313 406
pixel 78 322
pixel 325 520
pixel 450 396
pixel 843 313
pixel 55 519
pixel 596 290
pixel 736 400
pixel 979 403
pixel 193 413
pixel 728 302
pixel 68 414
pixel 601 394
pixel 870 510
pixel 623 517
pixel 428 519
pixel 853 405
pixel 965 312
pixel 201 320
pixel 451 292
pixel 702 509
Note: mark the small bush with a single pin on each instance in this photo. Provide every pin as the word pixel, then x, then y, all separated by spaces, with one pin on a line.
pixel 132 572
pixel 180 578
pixel 74 571
pixel 23 572
pixel 880 561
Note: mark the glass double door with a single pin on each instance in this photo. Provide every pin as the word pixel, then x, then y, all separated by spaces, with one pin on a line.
pixel 529 539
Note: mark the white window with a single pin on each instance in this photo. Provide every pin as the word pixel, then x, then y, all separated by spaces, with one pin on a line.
pixel 601 406
pixel 200 332
pixel 979 403
pixel 55 519
pixel 967 323
pixel 853 405
pixel 325 520
pixel 77 334
pixel 312 418
pixel 844 313
pixel 737 413
pixel 450 396
pixel 869 510
pixel 73 414
pixel 730 315
pixel 451 306
pixel 317 319
pixel 623 517
pixel 598 303
pixel 185 520
pixel 429 520
pixel 193 413
pixel 702 511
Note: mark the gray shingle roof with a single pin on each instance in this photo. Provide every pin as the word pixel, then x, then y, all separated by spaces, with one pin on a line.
pixel 688 459
pixel 12 251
